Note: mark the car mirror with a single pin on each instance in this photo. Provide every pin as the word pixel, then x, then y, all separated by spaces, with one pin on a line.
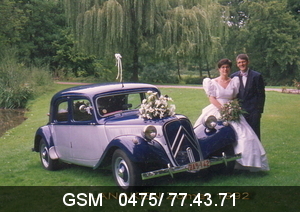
pixel 126 106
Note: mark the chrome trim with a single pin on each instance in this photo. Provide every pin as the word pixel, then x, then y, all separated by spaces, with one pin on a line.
pixel 169 168
pixel 178 141
pixel 185 168
pixel 52 153
pixel 190 154
pixel 179 144
pixel 147 132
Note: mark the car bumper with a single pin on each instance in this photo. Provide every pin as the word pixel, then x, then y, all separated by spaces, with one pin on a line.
pixel 191 167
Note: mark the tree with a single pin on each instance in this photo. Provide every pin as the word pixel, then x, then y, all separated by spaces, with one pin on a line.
pixel 45 20
pixel 269 32
pixel 148 29
pixel 69 59
pixel 272 39
pixel 237 20
pixel 12 23
pixel 194 31
pixel 294 7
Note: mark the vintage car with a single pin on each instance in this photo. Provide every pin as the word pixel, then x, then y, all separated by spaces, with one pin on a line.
pixel 99 125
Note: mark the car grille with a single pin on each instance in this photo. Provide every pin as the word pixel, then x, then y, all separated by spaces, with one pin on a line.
pixel 182 141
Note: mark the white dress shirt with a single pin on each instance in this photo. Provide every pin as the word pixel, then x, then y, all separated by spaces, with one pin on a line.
pixel 244 77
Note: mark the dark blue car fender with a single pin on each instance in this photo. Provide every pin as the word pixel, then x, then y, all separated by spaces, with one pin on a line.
pixel 42 133
pixel 222 137
pixel 137 149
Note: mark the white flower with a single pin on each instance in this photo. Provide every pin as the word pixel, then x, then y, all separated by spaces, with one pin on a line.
pixel 154 107
pixel 231 111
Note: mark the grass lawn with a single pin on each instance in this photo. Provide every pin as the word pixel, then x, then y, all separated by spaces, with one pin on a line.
pixel 280 137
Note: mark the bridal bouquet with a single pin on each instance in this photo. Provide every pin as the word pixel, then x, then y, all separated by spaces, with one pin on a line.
pixel 231 111
pixel 154 107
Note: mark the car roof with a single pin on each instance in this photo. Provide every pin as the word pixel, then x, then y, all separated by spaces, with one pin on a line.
pixel 93 89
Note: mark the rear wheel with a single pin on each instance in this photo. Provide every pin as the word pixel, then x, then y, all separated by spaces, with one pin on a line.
pixel 46 161
pixel 126 174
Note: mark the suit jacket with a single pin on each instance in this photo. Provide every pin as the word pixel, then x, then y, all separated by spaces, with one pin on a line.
pixel 252 96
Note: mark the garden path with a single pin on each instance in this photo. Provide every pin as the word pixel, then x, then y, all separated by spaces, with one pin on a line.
pixel 171 86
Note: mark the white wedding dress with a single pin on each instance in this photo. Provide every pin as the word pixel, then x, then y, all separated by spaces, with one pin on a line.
pixel 253 154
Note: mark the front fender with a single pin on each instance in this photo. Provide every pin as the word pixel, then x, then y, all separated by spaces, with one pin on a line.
pixel 45 133
pixel 223 136
pixel 137 149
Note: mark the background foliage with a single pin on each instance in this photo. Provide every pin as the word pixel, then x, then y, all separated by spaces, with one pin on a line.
pixel 161 41
pixel 191 32
pixel 20 83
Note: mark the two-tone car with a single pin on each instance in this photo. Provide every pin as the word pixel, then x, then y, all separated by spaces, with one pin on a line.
pixel 101 124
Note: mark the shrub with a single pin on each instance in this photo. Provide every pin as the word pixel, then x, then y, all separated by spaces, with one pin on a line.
pixel 15 90
pixel 192 80
pixel 15 98
pixel 19 83
pixel 296 84
pixel 103 71
pixel 158 73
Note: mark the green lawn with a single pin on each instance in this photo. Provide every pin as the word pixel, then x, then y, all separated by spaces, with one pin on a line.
pixel 280 137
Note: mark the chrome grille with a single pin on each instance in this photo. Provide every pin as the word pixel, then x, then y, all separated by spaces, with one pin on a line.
pixel 182 141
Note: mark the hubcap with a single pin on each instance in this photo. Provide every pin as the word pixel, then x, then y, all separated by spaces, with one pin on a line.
pixel 122 172
pixel 44 157
pixel 44 154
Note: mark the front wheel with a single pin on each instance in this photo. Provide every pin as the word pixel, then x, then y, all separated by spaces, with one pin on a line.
pixel 126 174
pixel 46 161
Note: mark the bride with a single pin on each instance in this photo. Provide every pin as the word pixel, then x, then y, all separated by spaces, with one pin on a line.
pixel 220 90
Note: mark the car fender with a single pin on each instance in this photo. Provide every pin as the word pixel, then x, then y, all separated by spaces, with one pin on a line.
pixel 223 137
pixel 42 133
pixel 137 149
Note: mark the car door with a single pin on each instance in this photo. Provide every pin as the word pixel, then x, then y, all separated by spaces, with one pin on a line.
pixel 76 136
pixel 87 138
pixel 60 129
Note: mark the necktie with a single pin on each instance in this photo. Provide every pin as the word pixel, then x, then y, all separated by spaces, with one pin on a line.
pixel 244 74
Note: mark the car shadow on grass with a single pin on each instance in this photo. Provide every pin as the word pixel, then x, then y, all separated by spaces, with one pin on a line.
pixel 202 178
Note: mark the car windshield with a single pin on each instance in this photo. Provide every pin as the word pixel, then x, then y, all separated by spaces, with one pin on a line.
pixel 119 102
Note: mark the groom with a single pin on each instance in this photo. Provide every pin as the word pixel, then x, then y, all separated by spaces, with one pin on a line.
pixel 251 92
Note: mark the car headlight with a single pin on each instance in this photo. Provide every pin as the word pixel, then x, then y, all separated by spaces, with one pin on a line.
pixel 150 132
pixel 211 122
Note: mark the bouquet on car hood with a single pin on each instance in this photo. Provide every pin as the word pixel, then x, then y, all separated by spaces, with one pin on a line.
pixel 156 107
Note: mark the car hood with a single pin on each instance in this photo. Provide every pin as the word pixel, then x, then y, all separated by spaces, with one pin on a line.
pixel 130 118
pixel 133 124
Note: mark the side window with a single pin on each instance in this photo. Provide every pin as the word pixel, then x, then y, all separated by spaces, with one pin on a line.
pixel 62 111
pixel 82 110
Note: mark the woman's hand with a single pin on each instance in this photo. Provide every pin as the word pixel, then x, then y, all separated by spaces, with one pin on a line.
pixel 215 102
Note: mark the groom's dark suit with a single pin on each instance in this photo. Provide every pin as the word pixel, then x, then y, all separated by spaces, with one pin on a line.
pixel 252 98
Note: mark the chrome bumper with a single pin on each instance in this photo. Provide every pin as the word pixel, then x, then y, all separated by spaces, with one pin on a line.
pixel 191 167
